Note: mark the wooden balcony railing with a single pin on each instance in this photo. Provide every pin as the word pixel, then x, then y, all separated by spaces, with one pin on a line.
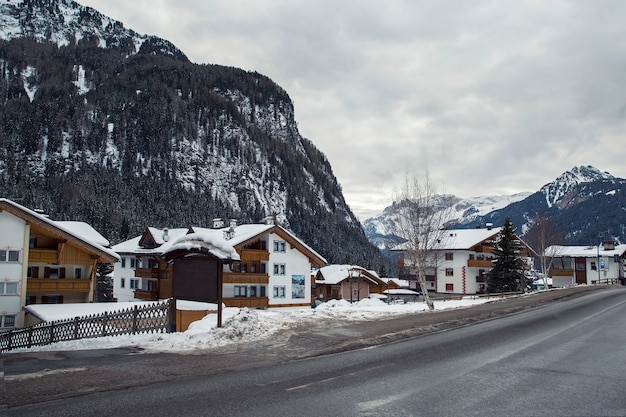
pixel 250 302
pixel 479 263
pixel 248 255
pixel 146 295
pixel 59 285
pixel 147 273
pixel 245 278
pixel 46 256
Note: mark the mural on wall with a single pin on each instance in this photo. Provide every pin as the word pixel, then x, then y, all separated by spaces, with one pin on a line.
pixel 297 286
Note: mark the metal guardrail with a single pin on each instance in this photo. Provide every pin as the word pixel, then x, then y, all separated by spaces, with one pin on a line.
pixel 151 318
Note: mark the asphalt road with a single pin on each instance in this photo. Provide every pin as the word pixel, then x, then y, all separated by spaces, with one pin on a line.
pixel 547 354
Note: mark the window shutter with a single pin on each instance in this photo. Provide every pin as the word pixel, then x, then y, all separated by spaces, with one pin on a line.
pixel 62 272
pixel 46 272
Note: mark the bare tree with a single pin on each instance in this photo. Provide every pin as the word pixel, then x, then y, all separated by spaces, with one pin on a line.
pixel 420 222
pixel 542 237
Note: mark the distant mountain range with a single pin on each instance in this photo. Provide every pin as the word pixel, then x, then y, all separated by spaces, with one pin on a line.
pixel 101 124
pixel 584 204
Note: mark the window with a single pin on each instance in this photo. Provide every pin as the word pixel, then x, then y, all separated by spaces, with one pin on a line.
pixel 449 287
pixel 122 282
pixel 263 269
pixel 593 266
pixel 123 261
pixel 134 284
pixel 9 255
pixel 51 299
pixel 262 291
pixel 132 262
pixel 8 288
pixel 8 320
pixel 32 242
pixel 449 272
pixel 78 273
pixel 280 246
pixel 279 291
pixel 32 272
pixel 279 269
pixel 253 291
pixel 449 256
pixel 241 291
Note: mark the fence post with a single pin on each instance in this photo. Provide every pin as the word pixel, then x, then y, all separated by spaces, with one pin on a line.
pixel 135 314
pixel 51 332
pixel 10 340
pixel 104 324
pixel 76 324
pixel 171 316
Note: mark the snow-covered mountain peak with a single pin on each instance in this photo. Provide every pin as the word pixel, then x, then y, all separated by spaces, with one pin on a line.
pixel 65 22
pixel 566 182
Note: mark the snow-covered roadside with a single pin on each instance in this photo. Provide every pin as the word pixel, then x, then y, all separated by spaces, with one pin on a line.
pixel 244 325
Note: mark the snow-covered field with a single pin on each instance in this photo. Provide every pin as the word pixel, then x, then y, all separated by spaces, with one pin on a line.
pixel 244 325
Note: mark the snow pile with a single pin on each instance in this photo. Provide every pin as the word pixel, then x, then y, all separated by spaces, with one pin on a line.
pixel 245 325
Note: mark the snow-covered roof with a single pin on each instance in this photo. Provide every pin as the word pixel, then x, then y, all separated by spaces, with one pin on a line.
pixel 584 251
pixel 85 230
pixel 222 240
pixel 56 312
pixel 334 274
pixel 210 240
pixel 79 231
pixel 401 291
pixel 466 238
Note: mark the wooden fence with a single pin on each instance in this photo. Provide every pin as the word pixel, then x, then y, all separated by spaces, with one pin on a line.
pixel 153 318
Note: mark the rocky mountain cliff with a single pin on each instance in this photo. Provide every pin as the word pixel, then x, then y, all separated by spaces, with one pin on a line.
pixel 584 205
pixel 121 130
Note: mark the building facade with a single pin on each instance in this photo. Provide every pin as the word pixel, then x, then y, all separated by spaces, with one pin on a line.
pixel 602 264
pixel 273 268
pixel 45 262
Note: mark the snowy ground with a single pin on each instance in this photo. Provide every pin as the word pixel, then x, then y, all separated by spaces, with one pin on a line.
pixel 242 325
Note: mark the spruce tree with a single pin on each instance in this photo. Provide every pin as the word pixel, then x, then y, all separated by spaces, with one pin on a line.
pixel 508 269
pixel 104 283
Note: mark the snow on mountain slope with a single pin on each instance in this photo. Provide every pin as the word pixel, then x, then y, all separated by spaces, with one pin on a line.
pixel 565 183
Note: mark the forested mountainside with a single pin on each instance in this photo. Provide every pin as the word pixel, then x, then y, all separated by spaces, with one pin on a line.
pixel 121 130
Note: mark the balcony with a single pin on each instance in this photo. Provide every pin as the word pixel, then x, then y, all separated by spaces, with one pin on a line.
pixel 61 285
pixel 250 302
pixel 146 295
pixel 152 273
pixel 252 255
pixel 245 278
pixel 479 263
pixel 46 256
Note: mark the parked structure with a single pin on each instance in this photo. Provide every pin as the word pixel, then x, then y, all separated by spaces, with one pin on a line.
pixel 45 262
pixel 270 267
pixel 461 261
pixel 348 282
pixel 605 264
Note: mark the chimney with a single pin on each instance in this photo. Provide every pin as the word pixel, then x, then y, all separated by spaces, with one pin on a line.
pixel 166 235
pixel 233 223
pixel 489 226
pixel 218 223
pixel 608 245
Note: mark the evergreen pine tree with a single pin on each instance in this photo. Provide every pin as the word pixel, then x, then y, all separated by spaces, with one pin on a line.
pixel 104 283
pixel 507 273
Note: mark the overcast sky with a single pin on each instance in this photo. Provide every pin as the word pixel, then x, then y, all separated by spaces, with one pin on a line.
pixel 488 97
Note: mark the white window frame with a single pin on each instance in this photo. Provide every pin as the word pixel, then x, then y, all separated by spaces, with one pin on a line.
pixel 3 321
pixel 3 288
pixel 280 291
pixel 5 255
pixel 280 246
pixel 134 284
pixel 280 269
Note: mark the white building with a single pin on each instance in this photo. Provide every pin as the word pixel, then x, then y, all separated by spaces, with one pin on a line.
pixel 274 269
pixel 462 259
pixel 570 265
